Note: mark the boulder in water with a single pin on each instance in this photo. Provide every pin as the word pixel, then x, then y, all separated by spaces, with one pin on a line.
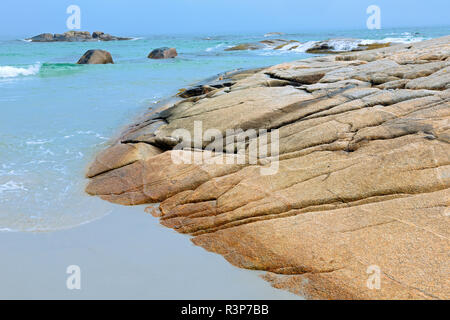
pixel 96 57
pixel 163 53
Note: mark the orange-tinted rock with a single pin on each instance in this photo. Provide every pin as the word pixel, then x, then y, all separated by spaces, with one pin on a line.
pixel 362 187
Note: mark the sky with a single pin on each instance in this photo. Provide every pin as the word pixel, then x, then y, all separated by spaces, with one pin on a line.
pixel 145 17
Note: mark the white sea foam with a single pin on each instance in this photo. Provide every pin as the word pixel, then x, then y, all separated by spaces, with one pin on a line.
pixel 290 46
pixel 394 40
pixel 11 72
pixel 304 46
pixel 12 186
pixel 90 132
pixel 39 141
pixel 342 45
pixel 215 48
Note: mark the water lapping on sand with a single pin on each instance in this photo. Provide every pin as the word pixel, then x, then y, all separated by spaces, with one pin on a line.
pixel 38 191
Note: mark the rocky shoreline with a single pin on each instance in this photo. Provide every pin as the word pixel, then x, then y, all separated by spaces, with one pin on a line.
pixel 362 186
pixel 330 46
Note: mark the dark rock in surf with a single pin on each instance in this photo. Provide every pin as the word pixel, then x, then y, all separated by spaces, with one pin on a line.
pixel 163 53
pixel 96 57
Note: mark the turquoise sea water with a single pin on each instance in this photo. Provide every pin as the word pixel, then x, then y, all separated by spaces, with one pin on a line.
pixel 55 115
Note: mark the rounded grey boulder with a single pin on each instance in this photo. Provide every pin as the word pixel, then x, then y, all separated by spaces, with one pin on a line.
pixel 163 53
pixel 96 57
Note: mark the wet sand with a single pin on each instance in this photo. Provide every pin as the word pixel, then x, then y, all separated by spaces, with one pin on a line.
pixel 125 255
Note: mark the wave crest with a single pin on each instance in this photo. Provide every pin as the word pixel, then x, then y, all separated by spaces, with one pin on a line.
pixel 12 72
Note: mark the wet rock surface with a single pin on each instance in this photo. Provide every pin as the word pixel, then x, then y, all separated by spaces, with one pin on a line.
pixel 362 184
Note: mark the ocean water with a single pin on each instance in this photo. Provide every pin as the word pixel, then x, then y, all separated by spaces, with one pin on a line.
pixel 55 115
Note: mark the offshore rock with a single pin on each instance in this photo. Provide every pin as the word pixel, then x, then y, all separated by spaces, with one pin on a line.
pixel 96 57
pixel 75 36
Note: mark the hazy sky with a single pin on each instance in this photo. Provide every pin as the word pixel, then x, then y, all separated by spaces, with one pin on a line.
pixel 140 17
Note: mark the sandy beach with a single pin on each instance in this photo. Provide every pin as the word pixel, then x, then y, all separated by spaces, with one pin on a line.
pixel 125 255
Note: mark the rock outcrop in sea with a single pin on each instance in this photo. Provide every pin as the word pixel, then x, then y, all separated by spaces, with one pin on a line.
pixel 271 34
pixel 163 53
pixel 344 45
pixel 359 206
pixel 265 44
pixel 74 36
pixel 96 56
pixel 316 47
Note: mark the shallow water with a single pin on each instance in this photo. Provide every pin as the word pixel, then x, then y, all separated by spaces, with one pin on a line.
pixel 55 115
pixel 126 255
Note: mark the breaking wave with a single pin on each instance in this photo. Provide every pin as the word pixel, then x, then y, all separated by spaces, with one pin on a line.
pixel 12 72
pixel 220 45
pixel 342 45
